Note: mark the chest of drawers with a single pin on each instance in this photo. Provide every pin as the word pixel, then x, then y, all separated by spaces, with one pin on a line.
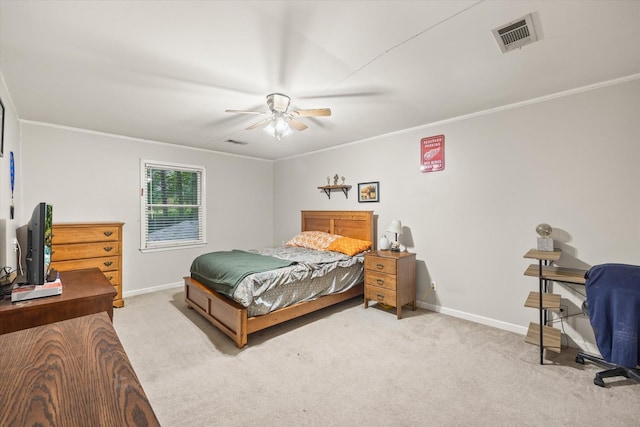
pixel 77 246
pixel 390 278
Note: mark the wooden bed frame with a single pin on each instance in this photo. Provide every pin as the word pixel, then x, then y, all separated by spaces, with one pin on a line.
pixel 231 317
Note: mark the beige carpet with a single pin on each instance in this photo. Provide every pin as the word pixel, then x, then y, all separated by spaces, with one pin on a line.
pixel 347 366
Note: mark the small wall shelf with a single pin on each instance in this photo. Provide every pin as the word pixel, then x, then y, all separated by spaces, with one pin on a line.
pixel 327 189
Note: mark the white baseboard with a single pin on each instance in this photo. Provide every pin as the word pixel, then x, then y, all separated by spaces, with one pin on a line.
pixel 475 318
pixel 575 342
pixel 126 294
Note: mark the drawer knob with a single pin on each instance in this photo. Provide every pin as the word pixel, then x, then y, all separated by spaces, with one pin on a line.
pixel 108 248
pixel 380 297
pixel 379 266
pixel 380 281
pixel 108 263
pixel 108 233
pixel 109 278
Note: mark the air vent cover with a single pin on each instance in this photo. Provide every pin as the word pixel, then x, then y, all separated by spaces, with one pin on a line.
pixel 516 34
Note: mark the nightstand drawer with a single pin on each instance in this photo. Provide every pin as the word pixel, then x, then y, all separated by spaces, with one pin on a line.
pixel 373 278
pixel 390 279
pixel 381 295
pixel 379 264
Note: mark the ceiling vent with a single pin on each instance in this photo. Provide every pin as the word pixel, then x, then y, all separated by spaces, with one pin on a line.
pixel 516 34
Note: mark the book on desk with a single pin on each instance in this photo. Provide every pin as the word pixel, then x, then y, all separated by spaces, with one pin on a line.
pixel 27 292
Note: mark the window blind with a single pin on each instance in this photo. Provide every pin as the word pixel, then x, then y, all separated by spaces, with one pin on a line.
pixel 173 207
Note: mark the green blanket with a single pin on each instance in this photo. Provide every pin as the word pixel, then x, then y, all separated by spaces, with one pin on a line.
pixel 222 271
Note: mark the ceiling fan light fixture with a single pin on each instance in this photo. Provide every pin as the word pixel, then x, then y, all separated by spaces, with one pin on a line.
pixel 278 127
pixel 280 122
pixel 278 102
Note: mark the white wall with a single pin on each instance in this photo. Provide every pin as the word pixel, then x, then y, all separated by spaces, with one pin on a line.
pixel 570 161
pixel 11 143
pixel 96 177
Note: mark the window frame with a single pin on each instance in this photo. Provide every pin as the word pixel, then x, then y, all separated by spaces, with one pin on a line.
pixel 145 245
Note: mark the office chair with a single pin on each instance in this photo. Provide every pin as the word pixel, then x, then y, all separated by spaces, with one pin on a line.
pixel 613 308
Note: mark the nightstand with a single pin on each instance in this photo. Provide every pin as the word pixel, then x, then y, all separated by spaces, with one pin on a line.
pixel 390 278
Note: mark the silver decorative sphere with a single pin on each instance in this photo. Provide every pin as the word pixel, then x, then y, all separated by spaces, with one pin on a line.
pixel 544 230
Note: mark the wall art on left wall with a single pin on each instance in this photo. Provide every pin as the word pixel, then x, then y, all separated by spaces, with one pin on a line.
pixel 1 128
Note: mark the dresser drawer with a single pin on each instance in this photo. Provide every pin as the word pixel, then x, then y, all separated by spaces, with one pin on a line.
pixel 103 263
pixel 381 295
pixel 379 264
pixel 82 245
pixel 387 281
pixel 84 250
pixel 113 276
pixel 78 234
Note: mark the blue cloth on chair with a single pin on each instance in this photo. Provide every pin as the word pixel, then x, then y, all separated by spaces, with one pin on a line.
pixel 613 298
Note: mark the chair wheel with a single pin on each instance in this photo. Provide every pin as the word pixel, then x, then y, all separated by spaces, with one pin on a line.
pixel 580 360
pixel 598 381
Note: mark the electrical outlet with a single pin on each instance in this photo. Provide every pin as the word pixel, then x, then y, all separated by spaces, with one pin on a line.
pixel 434 286
pixel 15 244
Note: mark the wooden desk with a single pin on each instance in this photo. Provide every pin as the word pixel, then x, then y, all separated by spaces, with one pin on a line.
pixel 83 292
pixel 70 373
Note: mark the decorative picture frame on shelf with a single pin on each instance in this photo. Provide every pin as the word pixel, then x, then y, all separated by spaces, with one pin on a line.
pixel 1 128
pixel 368 192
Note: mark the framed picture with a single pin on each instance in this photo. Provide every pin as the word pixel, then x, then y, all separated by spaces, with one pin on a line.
pixel 368 192
pixel 1 128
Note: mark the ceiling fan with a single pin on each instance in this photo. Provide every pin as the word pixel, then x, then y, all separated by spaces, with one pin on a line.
pixel 281 121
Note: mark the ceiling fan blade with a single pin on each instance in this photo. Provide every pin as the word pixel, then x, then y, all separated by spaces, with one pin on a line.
pixel 296 124
pixel 313 112
pixel 260 123
pixel 245 112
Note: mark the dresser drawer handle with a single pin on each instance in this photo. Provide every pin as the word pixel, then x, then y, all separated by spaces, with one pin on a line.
pixel 109 278
pixel 380 281
pixel 379 266
pixel 380 297
pixel 108 248
pixel 108 233
pixel 108 263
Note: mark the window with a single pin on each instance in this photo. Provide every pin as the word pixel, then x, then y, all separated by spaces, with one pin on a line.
pixel 172 205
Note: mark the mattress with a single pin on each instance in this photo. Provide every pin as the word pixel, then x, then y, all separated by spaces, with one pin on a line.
pixel 311 274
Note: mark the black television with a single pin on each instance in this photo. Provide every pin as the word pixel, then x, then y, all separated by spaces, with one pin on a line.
pixel 39 244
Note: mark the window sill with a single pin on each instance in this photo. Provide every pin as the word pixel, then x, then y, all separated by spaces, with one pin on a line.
pixel 173 247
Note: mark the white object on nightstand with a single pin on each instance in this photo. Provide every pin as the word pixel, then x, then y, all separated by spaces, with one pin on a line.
pixel 383 244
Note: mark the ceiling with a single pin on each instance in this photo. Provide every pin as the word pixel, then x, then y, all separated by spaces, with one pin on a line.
pixel 167 70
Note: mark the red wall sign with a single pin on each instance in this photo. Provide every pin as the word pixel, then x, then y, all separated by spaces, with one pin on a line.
pixel 432 153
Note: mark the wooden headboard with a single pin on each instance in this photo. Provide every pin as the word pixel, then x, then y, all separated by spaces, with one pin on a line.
pixel 355 224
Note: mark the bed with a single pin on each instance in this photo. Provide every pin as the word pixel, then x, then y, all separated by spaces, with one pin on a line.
pixel 234 319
